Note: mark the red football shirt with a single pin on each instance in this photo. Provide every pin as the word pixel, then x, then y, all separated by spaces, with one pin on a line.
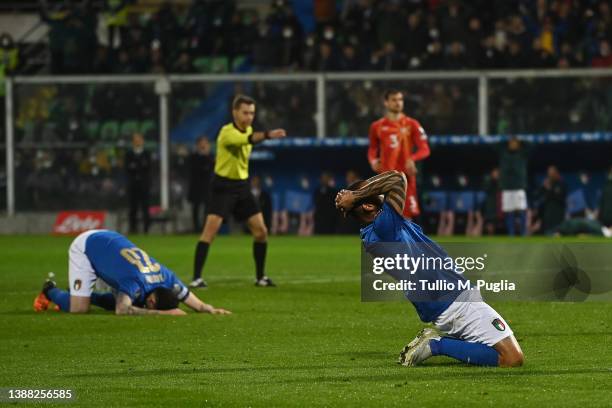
pixel 394 142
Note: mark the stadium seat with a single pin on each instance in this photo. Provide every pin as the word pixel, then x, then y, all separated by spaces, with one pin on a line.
pixel 462 201
pixel 109 130
pixel 211 65
pixel 435 201
pixel 298 201
pixel 92 129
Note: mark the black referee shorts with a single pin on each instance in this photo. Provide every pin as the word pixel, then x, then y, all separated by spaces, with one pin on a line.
pixel 234 197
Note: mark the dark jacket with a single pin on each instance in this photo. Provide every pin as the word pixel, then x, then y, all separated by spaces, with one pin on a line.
pixel 138 169
pixel 513 168
pixel 201 169
pixel 552 207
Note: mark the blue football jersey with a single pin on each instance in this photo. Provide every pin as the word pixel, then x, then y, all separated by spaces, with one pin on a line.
pixel 390 227
pixel 129 269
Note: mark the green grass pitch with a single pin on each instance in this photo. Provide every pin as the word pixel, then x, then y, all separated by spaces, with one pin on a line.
pixel 309 342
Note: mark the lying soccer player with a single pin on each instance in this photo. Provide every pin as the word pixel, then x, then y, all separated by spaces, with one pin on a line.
pixel 140 284
pixel 468 329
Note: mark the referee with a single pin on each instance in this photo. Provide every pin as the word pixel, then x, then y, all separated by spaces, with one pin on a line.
pixel 230 190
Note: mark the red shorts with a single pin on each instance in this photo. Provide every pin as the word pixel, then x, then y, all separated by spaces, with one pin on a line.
pixel 411 208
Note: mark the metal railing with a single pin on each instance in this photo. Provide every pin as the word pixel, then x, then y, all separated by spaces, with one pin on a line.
pixel 163 84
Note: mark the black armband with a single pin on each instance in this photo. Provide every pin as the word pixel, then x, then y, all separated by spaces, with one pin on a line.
pixel 266 136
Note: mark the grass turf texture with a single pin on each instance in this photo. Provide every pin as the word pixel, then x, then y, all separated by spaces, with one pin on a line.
pixel 309 342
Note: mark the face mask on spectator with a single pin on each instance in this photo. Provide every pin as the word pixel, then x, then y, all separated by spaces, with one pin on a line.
pixel 328 34
pixel 584 178
pixel 287 32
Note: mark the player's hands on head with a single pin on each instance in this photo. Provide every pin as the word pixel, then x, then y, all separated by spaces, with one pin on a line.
pixel 345 200
pixel 277 133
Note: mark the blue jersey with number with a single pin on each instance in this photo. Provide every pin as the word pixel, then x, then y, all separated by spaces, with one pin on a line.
pixel 129 269
pixel 390 227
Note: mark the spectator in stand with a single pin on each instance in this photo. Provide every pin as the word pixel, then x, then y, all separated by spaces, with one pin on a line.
pixel 324 213
pixel 183 65
pixel 72 37
pixel 387 59
pixel 393 34
pixel 456 57
pixel 349 60
pixel 513 183
pixel 551 196
pixel 416 39
pixel 201 166
pixel 604 57
pixel 165 29
pixel 516 57
pixel 138 171
pixel 326 59
pixel 490 205
pixel 453 22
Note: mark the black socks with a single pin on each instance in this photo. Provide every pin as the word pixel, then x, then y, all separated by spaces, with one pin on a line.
pixel 200 258
pixel 259 254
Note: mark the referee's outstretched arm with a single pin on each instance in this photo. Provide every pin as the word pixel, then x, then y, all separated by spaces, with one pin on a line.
pixel 230 192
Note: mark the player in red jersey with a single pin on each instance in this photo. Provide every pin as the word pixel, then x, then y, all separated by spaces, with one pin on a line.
pixel 398 141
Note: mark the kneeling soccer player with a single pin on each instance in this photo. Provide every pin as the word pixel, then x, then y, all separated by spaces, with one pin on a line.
pixel 140 285
pixel 468 329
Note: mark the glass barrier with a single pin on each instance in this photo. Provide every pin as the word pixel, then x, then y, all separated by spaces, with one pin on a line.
pixel 441 106
pixel 543 105
pixel 71 140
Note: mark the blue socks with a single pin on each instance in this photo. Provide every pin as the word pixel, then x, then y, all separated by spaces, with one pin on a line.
pixel 62 299
pixel 510 220
pixel 523 220
pixel 470 353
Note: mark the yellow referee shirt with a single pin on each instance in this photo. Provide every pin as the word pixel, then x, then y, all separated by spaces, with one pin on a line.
pixel 233 151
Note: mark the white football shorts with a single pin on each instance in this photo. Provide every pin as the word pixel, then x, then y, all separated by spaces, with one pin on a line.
pixel 473 321
pixel 81 275
pixel 514 200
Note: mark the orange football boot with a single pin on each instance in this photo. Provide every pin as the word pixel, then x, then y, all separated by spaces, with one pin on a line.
pixel 41 303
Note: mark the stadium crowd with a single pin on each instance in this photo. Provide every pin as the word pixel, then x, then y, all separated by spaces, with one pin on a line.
pixel 351 35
